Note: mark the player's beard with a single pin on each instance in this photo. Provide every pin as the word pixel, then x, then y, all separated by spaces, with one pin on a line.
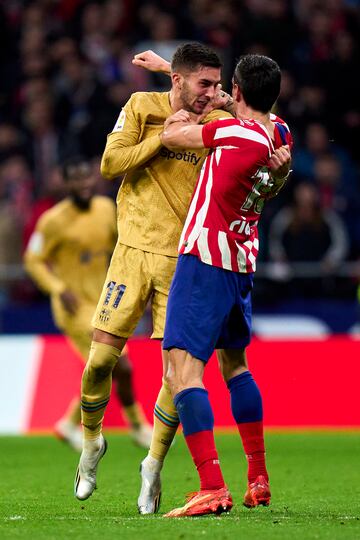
pixel 80 202
pixel 189 100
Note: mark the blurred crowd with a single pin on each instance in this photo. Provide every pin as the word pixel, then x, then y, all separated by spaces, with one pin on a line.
pixel 66 72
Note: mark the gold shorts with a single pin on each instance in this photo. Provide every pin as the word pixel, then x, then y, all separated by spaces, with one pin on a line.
pixel 134 277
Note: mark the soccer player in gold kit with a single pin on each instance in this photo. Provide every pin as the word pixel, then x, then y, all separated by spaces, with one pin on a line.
pixel 68 256
pixel 152 205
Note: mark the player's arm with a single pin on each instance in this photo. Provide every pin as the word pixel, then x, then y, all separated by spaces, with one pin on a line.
pixel 123 150
pixel 152 62
pixel 37 258
pixel 37 261
pixel 180 131
pixel 280 169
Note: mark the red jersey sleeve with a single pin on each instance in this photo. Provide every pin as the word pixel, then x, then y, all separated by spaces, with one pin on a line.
pixel 209 131
pixel 282 133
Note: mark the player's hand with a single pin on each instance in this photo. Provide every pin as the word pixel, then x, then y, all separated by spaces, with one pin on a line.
pixel 179 116
pixel 221 100
pixel 172 124
pixel 69 301
pixel 280 162
pixel 152 62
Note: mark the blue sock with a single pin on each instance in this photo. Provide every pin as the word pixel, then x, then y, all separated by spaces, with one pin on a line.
pixel 246 402
pixel 194 410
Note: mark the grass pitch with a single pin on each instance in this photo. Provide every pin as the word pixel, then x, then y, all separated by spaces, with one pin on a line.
pixel 315 480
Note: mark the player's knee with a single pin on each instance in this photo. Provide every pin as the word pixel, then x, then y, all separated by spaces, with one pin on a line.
pixel 170 380
pixel 179 380
pixel 102 360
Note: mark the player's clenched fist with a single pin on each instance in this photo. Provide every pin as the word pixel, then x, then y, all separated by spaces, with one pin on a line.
pixel 151 61
pixel 179 116
pixel 279 162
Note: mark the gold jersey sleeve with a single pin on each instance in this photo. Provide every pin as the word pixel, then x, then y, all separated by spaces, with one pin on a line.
pixel 155 193
pixel 71 248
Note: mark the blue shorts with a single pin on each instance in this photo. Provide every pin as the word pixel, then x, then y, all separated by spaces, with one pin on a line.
pixel 208 308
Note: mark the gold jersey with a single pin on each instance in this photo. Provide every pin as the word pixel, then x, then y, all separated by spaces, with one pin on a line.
pixel 71 249
pixel 155 193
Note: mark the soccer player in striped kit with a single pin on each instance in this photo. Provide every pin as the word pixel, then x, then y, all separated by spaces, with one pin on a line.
pixel 209 305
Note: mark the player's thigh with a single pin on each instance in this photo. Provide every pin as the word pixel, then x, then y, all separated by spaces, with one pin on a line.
pixel 199 302
pixel 162 269
pixel 236 330
pixel 126 291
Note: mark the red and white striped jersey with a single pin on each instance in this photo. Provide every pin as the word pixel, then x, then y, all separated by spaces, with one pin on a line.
pixel 221 225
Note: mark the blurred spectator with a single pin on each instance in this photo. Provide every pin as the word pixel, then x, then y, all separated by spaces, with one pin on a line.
pixel 317 142
pixel 307 233
pixel 162 40
pixel 337 193
pixel 15 205
pixel 12 141
pixel 47 143
pixel 52 193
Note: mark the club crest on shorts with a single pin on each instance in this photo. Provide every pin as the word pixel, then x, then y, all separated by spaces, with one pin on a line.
pixel 104 315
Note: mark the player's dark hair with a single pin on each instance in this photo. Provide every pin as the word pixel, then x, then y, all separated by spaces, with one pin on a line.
pixel 190 56
pixel 71 163
pixel 258 78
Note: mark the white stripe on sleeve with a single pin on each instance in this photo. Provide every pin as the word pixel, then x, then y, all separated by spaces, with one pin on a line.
pixel 241 133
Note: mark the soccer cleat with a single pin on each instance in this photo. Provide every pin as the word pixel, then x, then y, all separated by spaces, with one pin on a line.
pixel 85 478
pixel 204 502
pixel 150 493
pixel 141 435
pixel 257 493
pixel 69 433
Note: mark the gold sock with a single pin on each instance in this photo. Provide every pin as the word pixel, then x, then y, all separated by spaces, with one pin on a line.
pixel 73 413
pixel 166 421
pixel 96 387
pixel 134 415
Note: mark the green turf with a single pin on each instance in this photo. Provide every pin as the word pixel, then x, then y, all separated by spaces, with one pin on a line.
pixel 315 480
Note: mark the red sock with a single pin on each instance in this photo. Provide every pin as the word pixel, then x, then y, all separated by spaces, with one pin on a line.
pixel 205 456
pixel 252 436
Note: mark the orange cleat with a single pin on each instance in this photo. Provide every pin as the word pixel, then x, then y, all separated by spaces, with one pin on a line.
pixel 257 493
pixel 204 502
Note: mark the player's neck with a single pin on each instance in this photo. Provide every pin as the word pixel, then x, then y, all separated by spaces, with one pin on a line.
pixel 245 113
pixel 175 102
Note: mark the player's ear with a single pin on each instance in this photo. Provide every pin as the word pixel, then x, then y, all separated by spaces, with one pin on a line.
pixel 177 80
pixel 236 93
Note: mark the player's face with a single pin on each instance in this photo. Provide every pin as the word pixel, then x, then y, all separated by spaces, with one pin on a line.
pixel 198 88
pixel 81 184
